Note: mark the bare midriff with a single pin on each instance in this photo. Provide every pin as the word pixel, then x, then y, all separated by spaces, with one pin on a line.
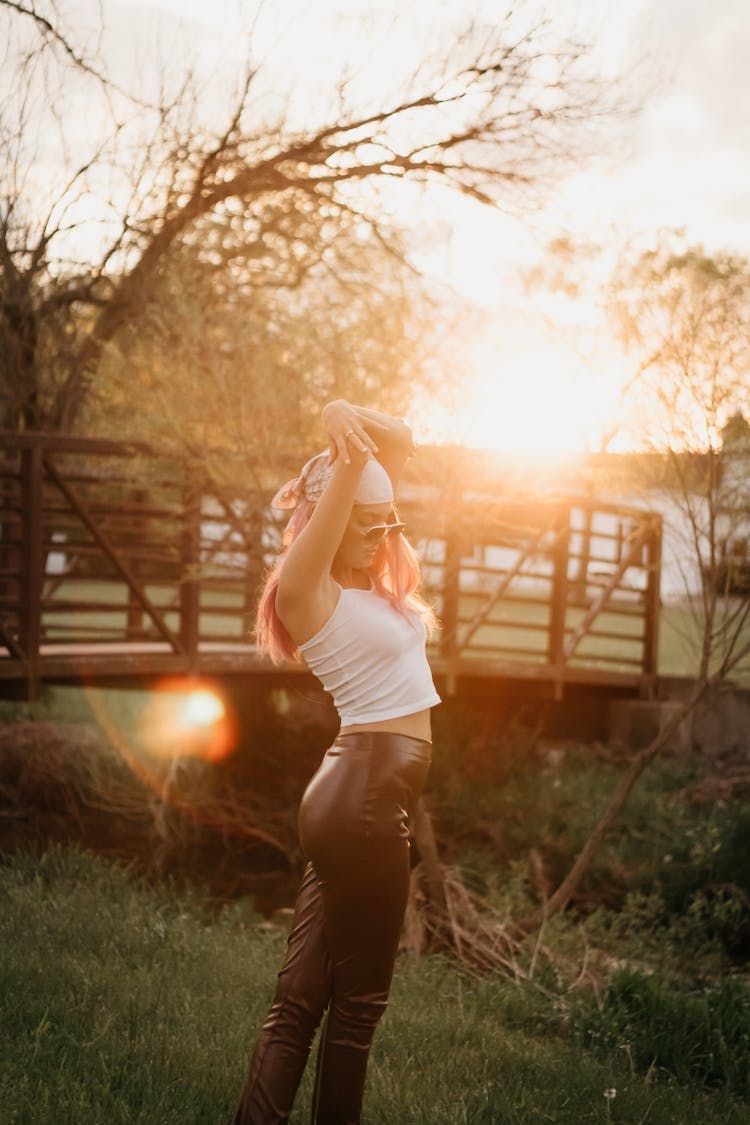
pixel 417 725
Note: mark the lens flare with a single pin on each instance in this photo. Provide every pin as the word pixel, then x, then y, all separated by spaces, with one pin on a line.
pixel 187 720
pixel 203 707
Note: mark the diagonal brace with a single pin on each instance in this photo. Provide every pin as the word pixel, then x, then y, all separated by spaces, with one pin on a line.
pixel 628 559
pixel 111 554
pixel 486 609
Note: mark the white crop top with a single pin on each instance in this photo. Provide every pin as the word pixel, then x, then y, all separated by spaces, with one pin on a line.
pixel 371 659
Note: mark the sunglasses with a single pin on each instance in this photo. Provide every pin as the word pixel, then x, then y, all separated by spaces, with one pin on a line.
pixel 380 530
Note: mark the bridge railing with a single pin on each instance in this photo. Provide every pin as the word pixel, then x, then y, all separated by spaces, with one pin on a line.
pixel 109 546
pixel 109 549
pixel 566 587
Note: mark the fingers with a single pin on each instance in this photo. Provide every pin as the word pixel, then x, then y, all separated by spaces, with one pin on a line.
pixel 346 433
pixel 343 444
pixel 363 435
pixel 359 439
pixel 348 444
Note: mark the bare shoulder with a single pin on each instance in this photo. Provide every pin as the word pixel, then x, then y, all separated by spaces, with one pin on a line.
pixel 303 612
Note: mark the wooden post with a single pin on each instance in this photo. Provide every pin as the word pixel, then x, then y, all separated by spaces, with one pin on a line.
pixel 190 583
pixel 582 574
pixel 32 563
pixel 450 607
pixel 134 617
pixel 95 531
pixel 253 577
pixel 559 598
pixel 652 604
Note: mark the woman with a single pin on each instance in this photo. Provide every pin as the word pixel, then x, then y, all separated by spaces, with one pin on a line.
pixel 343 596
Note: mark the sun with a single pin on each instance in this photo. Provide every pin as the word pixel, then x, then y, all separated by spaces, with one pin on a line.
pixel 531 393
pixel 538 403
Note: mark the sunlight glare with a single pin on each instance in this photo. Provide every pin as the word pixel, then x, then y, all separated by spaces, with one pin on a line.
pixel 180 720
pixel 203 707
pixel 527 396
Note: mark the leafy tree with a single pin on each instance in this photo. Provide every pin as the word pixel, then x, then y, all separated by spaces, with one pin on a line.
pixel 685 316
pixel 214 365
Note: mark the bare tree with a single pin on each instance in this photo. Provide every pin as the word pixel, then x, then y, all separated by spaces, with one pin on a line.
pixel 511 110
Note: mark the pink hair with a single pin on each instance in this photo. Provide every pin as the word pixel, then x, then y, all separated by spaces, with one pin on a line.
pixel 395 572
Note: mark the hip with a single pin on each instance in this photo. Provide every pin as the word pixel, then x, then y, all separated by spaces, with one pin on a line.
pixel 365 787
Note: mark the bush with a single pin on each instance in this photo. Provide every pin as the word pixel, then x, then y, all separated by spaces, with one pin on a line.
pixel 697 1037
pixel 704 879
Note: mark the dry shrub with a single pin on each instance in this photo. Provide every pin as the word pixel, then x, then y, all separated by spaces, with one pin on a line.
pixel 484 940
pixel 65 781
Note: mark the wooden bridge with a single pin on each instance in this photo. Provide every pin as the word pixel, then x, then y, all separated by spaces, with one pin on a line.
pixel 117 565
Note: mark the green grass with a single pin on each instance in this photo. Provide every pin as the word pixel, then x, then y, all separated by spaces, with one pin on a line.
pixel 124 1004
pixel 697 1034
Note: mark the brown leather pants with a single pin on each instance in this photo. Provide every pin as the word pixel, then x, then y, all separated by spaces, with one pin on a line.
pixel 353 825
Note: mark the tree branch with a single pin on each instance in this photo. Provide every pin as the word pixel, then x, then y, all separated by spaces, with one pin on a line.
pixel 50 31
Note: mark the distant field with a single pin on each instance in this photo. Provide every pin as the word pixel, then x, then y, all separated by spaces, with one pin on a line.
pixel 679 637
pixel 221 611
pixel 523 625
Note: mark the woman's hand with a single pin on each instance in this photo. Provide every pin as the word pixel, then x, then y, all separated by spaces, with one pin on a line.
pixel 345 431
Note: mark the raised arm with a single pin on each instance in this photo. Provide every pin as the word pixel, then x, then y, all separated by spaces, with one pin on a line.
pixel 311 555
pixel 389 439
pixel 307 593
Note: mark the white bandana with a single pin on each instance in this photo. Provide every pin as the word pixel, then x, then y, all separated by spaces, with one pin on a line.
pixel 374 485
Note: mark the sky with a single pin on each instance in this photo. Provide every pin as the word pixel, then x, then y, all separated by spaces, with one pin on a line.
pixel 546 375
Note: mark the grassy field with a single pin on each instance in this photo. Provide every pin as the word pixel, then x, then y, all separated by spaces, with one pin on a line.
pixel 125 1004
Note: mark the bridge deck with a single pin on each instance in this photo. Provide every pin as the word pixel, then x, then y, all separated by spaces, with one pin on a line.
pixel 143 662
